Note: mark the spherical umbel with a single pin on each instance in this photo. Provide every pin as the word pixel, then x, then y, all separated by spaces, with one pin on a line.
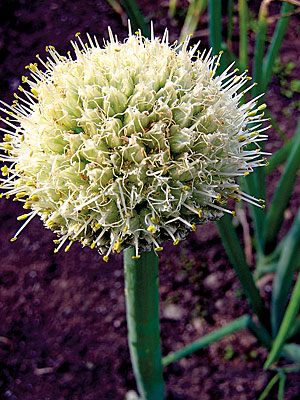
pixel 131 144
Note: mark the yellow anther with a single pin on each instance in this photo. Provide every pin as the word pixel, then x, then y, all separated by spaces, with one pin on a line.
pixel 261 200
pixel 176 241
pixel 194 227
pixel 67 248
pixel 6 138
pixel 16 96
pixel 97 226
pixel 199 213
pixel 266 164
pixel 246 174
pixel 8 146
pixel 4 170
pixel 254 134
pixel 55 251
pixel 152 219
pixel 251 113
pixel 22 217
pixel 13 239
pixel 20 88
pixel 259 149
pixel 242 139
pixel 233 213
pixel 7 196
pixel 34 92
pixel 34 197
pixel 20 195
pixel 158 248
pixel 77 34
pixel 218 197
pixel 263 206
pixel 33 67
pixel 105 258
pixel 136 257
pixel 262 107
pixel 151 229
pixel 56 241
pixel 185 187
pixel 117 247
pixel 93 245
pixel 37 55
pixel 30 184
pixel 126 228
pixel 27 206
pixel 24 79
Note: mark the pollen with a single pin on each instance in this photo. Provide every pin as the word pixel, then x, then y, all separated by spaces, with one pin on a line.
pixel 22 217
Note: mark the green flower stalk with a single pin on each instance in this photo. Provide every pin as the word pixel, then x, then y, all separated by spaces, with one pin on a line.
pixel 130 144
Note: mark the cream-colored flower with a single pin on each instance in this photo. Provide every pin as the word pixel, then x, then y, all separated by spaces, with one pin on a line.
pixel 131 144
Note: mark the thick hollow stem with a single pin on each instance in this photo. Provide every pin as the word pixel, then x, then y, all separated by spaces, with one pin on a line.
pixel 142 310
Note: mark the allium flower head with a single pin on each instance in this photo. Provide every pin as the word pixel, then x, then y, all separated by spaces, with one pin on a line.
pixel 131 144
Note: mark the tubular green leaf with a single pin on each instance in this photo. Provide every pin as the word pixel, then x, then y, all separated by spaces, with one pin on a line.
pixel 172 8
pixel 230 8
pixel 260 45
pixel 281 385
pixel 142 311
pixel 236 325
pixel 136 18
pixel 196 8
pixel 291 351
pixel 287 322
pixel 282 195
pixel 243 25
pixel 276 43
pixel 238 260
pixel 215 29
pixel 269 386
pixel 287 265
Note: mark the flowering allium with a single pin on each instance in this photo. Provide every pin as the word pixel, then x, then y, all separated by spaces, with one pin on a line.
pixel 129 145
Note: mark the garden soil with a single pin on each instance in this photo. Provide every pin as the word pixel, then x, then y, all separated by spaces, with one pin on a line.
pixel 63 332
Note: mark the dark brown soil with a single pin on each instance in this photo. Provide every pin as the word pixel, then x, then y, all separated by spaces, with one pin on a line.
pixel 63 328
